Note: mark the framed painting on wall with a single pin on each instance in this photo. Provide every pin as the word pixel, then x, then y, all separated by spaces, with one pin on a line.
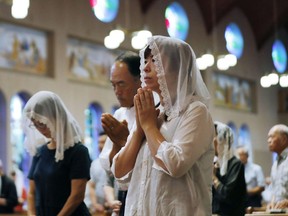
pixel 23 49
pixel 89 62
pixel 234 92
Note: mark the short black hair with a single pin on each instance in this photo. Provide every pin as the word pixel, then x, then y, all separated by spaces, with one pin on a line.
pixel 132 60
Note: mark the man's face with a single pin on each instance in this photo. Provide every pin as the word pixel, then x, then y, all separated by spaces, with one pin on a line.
pixel 274 141
pixel 124 84
pixel 243 157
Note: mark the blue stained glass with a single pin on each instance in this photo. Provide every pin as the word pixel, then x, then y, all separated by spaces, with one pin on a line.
pixel 105 10
pixel 93 128
pixel 177 22
pixel 279 56
pixel 234 40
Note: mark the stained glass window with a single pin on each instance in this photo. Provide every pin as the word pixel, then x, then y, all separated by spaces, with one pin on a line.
pixel 93 128
pixel 177 22
pixel 105 10
pixel 279 56
pixel 234 40
pixel 20 157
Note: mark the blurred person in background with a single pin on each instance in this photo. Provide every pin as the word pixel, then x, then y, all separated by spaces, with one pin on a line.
pixel 229 186
pixel 254 177
pixel 8 192
pixel 278 143
pixel 95 195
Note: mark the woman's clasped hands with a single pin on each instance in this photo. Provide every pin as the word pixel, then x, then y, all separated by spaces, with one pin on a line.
pixel 146 113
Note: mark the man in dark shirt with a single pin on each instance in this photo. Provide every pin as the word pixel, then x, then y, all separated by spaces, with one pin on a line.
pixel 8 192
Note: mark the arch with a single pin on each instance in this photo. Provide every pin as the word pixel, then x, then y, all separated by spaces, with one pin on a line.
pixel 92 128
pixel 3 130
pixel 20 157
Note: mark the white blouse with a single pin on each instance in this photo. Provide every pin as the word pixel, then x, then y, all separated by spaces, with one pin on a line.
pixel 188 155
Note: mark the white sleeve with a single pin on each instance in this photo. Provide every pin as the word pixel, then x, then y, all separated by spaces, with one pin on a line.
pixel 193 137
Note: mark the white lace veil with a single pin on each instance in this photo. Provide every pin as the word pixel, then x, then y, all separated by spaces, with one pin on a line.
pixel 225 141
pixel 47 107
pixel 178 76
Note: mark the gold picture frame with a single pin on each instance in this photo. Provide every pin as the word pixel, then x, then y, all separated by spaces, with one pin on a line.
pixel 23 49
pixel 234 92
pixel 89 62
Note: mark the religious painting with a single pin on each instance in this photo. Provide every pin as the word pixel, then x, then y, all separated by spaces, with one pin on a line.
pixel 234 92
pixel 89 62
pixel 23 49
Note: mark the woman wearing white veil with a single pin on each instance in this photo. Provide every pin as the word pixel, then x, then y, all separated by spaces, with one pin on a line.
pixel 60 166
pixel 229 186
pixel 168 156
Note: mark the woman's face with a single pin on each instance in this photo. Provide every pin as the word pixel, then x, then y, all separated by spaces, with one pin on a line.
pixel 150 75
pixel 42 128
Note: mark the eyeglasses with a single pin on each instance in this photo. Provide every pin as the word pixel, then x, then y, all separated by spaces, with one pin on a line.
pixel 38 125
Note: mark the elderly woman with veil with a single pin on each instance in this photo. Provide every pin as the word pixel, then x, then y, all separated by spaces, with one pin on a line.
pixel 168 157
pixel 229 186
pixel 60 166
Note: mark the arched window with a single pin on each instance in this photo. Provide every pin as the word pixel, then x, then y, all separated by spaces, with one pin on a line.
pixel 244 139
pixel 234 40
pixel 20 157
pixel 3 130
pixel 177 23
pixel 279 56
pixel 105 10
pixel 92 128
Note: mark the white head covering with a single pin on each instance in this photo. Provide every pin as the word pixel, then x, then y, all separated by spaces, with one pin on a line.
pixel 224 148
pixel 47 108
pixel 178 76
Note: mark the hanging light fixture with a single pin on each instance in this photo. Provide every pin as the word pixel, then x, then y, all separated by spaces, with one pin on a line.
pixel 224 61
pixel 283 81
pixel 19 8
pixel 118 35
pixel 279 57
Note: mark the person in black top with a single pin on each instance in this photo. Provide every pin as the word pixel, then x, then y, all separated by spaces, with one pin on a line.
pixel 229 186
pixel 60 166
pixel 8 193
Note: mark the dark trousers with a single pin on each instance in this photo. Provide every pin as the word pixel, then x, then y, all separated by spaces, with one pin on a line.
pixel 122 198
